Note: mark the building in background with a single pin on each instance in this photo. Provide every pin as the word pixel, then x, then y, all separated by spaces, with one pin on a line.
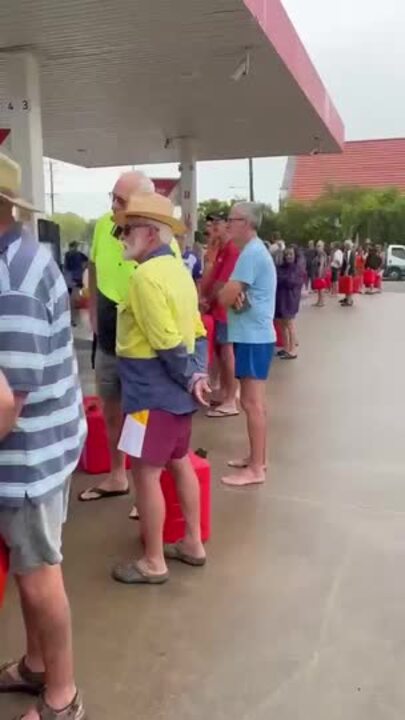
pixel 374 164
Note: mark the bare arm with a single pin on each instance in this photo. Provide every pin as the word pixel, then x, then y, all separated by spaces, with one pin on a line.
pixel 230 293
pixel 93 296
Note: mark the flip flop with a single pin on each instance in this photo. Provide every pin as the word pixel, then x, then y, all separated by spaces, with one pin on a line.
pixel 129 573
pixel 31 683
pixel 101 494
pixel 222 413
pixel 175 552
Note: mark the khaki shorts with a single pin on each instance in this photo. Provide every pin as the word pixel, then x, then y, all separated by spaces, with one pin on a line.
pixel 33 533
pixel 107 377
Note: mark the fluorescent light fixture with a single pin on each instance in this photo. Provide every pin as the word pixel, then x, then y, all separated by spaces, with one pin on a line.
pixel 243 68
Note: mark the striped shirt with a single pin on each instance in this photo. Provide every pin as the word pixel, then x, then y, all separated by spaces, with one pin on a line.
pixel 37 357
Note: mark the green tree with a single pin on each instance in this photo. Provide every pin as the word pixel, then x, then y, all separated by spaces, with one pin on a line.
pixel 72 227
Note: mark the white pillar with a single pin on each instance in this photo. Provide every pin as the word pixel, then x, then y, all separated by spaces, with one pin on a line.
pixel 188 184
pixel 21 111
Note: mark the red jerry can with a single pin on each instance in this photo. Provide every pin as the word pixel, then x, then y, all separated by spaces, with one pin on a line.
pixel 95 458
pixel 209 325
pixel 175 527
pixel 319 284
pixel 3 569
pixel 369 278
pixel 357 283
pixel 378 281
pixel 346 285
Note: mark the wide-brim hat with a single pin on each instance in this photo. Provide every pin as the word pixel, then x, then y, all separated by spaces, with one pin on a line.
pixel 10 184
pixel 152 206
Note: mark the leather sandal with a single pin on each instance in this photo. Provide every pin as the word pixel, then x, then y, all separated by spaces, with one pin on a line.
pixel 74 711
pixel 31 683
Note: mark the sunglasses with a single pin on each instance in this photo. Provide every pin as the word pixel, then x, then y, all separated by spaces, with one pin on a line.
pixel 127 229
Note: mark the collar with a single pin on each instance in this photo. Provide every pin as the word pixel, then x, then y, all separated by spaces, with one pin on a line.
pixel 160 251
pixel 10 236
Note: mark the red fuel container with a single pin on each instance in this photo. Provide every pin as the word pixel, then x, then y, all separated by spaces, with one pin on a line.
pixel 369 278
pixel 319 284
pixel 95 458
pixel 357 283
pixel 378 281
pixel 175 526
pixel 3 569
pixel 346 285
pixel 279 334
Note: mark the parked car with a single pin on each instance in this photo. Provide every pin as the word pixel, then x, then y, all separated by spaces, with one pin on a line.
pixel 395 262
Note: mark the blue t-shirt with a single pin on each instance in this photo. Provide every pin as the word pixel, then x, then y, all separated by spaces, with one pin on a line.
pixel 255 269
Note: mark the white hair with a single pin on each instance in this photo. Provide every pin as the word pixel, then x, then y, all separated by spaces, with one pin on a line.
pixel 146 185
pixel 165 232
pixel 252 212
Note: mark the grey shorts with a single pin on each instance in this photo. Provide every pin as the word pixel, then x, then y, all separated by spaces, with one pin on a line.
pixel 33 533
pixel 107 377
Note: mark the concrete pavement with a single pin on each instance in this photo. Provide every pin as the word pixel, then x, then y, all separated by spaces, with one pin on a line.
pixel 300 612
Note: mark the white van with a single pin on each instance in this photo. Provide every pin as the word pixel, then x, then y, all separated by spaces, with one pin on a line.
pixel 395 262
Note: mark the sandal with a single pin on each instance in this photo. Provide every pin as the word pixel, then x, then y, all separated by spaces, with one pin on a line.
pixel 31 683
pixel 129 573
pixel 176 552
pixel 94 493
pixel 74 711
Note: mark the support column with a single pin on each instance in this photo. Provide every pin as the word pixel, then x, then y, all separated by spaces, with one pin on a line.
pixel 188 185
pixel 21 110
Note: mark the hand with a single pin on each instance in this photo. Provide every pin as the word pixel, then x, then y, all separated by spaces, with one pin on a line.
pixel 239 302
pixel 201 388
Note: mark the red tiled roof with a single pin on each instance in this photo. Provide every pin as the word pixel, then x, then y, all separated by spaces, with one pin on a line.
pixel 368 163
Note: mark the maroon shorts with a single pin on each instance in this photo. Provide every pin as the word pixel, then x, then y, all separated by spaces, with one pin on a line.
pixel 156 436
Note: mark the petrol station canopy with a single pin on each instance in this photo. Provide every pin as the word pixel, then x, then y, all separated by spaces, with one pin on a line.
pixel 128 81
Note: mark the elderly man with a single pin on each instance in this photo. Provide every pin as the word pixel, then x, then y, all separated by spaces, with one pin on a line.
pixel 217 272
pixel 40 443
pixel 109 277
pixel 161 348
pixel 250 298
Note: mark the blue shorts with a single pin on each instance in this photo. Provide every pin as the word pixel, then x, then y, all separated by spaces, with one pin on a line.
pixel 253 360
pixel 221 333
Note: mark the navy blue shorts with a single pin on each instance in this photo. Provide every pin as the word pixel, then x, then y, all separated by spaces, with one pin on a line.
pixel 253 360
pixel 221 333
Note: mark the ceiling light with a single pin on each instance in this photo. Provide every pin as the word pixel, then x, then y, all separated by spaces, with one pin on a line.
pixel 243 68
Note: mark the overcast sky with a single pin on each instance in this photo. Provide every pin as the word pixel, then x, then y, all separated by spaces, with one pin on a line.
pixel 357 47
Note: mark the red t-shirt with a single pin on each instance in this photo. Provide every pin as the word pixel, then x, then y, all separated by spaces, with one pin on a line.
pixel 221 272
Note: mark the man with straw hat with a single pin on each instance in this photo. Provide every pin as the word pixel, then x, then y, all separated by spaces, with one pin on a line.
pixel 39 449
pixel 161 350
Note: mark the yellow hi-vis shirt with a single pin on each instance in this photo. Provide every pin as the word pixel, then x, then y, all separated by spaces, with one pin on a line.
pixel 160 337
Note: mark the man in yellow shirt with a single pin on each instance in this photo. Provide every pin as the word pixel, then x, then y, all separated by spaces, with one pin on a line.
pixel 109 277
pixel 161 348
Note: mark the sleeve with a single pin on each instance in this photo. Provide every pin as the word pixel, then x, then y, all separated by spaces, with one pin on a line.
pixel 94 243
pixel 197 270
pixel 158 324
pixel 227 267
pixel 24 341
pixel 245 270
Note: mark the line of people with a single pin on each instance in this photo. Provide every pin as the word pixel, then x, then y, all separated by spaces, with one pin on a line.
pixel 151 373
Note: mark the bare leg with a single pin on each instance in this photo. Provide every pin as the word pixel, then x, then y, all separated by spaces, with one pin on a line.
pixel 292 336
pixel 189 493
pixel 254 405
pixel 229 383
pixel 152 512
pixel 47 614
pixel 284 329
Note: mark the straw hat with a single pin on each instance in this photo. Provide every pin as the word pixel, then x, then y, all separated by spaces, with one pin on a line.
pixel 10 184
pixel 155 207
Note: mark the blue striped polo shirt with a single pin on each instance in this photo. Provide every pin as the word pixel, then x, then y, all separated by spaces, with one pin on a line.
pixel 37 357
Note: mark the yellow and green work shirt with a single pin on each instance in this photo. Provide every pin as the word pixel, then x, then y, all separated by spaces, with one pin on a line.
pixel 113 278
pixel 161 340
